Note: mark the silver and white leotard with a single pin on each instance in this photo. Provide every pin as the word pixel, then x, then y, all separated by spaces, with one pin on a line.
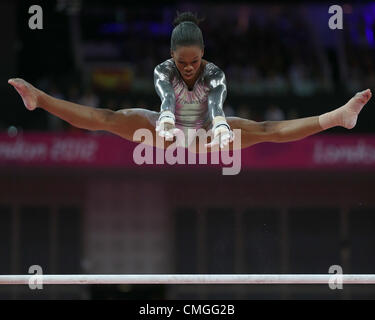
pixel 194 108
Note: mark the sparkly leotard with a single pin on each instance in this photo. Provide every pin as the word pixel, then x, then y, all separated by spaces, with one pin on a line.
pixel 194 108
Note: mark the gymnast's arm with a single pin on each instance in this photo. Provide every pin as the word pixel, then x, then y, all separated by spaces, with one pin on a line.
pixel 77 115
pixel 217 94
pixel 163 87
pixel 216 97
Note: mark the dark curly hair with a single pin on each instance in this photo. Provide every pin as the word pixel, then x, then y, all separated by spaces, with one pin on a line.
pixel 186 31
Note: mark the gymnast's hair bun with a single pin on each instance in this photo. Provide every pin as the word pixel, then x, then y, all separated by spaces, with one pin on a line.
pixel 186 17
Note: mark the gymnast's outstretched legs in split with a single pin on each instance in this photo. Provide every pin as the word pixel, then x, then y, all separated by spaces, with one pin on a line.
pixel 126 122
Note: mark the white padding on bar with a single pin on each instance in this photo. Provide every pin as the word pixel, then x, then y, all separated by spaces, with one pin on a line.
pixel 188 279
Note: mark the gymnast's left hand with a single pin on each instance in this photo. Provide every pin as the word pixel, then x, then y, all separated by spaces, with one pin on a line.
pixel 222 136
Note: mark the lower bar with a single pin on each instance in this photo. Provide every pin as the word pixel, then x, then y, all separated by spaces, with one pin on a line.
pixel 189 279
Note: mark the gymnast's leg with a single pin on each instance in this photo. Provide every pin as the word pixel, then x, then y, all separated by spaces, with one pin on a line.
pixel 123 123
pixel 253 132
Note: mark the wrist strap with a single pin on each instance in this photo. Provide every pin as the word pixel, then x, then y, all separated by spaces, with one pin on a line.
pixel 220 121
pixel 222 124
pixel 167 117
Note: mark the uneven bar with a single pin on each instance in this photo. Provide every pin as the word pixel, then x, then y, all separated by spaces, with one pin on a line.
pixel 189 279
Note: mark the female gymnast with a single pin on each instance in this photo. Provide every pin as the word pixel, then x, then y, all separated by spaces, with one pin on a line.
pixel 192 93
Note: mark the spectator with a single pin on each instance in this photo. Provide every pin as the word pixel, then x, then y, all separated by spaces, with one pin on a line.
pixel 274 113
pixel 292 114
pixel 73 94
pixel 244 111
pixel 89 98
pixel 111 104
pixel 55 123
pixel 228 110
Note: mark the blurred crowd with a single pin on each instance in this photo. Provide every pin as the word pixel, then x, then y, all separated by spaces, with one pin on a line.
pixel 264 51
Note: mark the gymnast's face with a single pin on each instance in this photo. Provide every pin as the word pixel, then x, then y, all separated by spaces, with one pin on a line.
pixel 188 61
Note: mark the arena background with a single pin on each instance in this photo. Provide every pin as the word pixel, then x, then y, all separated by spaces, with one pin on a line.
pixel 74 202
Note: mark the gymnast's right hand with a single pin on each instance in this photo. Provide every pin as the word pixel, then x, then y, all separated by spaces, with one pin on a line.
pixel 165 126
pixel 28 93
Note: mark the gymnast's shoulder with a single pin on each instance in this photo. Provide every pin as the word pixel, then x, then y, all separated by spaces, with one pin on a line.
pixel 213 72
pixel 165 69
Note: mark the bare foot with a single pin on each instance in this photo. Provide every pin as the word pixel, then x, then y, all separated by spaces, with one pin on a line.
pixel 28 93
pixel 347 115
